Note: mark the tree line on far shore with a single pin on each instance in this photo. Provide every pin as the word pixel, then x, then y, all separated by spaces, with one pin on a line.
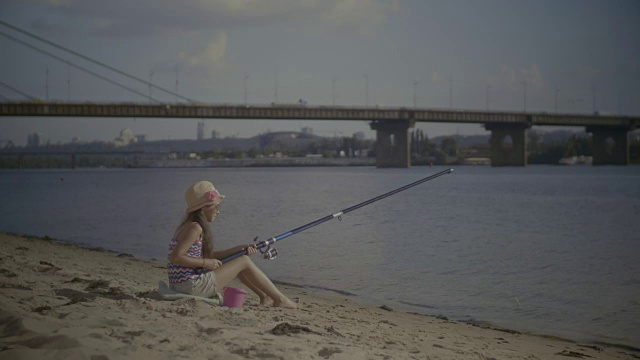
pixel 448 149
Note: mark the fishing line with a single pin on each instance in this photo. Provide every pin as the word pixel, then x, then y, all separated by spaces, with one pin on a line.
pixel 270 253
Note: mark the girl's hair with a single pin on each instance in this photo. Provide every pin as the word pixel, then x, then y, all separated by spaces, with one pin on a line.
pixel 207 237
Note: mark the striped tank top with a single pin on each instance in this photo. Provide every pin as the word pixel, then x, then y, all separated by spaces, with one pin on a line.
pixel 178 273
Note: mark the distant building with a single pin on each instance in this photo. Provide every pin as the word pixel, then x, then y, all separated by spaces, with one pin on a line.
pixel 126 138
pixel 141 138
pixel 359 135
pixel 36 139
pixel 215 134
pixel 307 130
pixel 8 144
pixel 361 153
pixel 200 130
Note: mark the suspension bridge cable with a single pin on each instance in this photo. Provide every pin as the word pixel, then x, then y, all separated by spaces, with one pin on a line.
pixel 94 61
pixel 16 90
pixel 79 67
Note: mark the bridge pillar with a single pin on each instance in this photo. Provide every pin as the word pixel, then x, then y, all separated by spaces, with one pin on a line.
pixel 610 145
pixel 502 155
pixel 392 143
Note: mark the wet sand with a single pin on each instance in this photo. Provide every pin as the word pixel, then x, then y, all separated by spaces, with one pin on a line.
pixel 60 301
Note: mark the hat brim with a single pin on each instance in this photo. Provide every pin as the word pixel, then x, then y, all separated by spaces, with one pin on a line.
pixel 217 201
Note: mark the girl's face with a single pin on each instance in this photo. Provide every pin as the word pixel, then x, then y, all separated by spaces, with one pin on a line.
pixel 211 212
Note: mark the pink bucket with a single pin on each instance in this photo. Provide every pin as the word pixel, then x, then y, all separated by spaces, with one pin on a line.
pixel 233 297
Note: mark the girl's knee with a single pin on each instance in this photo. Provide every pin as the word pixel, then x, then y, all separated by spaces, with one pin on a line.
pixel 244 260
pixel 247 259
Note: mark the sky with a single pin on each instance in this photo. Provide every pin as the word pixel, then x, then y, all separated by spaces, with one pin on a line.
pixel 572 56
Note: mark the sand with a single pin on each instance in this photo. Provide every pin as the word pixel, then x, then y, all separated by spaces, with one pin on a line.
pixel 60 301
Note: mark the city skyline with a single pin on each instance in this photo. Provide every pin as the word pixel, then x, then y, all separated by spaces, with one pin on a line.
pixel 39 138
pixel 570 56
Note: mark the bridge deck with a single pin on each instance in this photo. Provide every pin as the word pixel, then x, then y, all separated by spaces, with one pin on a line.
pixel 309 113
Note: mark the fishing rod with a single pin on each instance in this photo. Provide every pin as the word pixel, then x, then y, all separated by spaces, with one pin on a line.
pixel 270 253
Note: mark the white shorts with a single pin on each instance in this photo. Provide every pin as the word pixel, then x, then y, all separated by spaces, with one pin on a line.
pixel 204 285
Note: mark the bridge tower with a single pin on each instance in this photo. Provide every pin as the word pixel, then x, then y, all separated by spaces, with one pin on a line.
pixel 392 142
pixel 500 154
pixel 610 145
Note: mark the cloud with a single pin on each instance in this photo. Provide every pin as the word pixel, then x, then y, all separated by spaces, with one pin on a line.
pixel 200 20
pixel 210 59
pixel 369 14
pixel 510 78
pixel 53 2
pixel 170 17
pixel 587 72
pixel 437 78
pixel 532 75
pixel 507 76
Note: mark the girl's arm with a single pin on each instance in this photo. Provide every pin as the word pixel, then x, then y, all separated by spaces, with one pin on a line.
pixel 186 238
pixel 228 252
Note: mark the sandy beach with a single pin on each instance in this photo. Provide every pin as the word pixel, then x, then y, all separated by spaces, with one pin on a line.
pixel 60 301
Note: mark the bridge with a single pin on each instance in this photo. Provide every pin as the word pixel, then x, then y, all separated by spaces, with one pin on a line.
pixel 610 140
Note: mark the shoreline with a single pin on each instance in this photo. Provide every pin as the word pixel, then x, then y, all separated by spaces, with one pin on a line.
pixel 256 162
pixel 63 300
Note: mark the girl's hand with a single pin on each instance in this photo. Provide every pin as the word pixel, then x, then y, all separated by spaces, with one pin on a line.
pixel 212 264
pixel 250 248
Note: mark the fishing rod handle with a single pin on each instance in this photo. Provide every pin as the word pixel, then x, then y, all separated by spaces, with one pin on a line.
pixel 259 245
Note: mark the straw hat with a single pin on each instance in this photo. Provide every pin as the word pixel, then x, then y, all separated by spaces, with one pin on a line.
pixel 201 194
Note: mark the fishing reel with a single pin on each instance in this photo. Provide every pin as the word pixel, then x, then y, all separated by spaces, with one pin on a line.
pixel 268 253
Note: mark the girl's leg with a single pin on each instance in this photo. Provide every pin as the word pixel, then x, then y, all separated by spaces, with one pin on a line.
pixel 243 265
pixel 264 298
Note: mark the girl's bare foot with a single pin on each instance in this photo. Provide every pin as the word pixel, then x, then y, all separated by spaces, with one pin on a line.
pixel 285 303
pixel 266 301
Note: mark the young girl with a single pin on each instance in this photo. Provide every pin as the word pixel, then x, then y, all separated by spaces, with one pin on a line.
pixel 194 267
